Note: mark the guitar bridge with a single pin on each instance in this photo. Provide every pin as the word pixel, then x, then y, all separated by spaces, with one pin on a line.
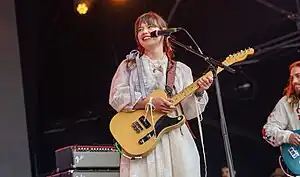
pixel 293 152
pixel 136 127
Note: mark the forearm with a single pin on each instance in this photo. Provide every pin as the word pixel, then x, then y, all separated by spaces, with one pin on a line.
pixel 140 104
pixel 121 100
pixel 275 136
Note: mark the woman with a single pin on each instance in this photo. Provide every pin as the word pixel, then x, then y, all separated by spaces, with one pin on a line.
pixel 142 72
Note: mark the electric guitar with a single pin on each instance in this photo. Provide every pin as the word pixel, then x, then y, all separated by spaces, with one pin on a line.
pixel 138 133
pixel 291 156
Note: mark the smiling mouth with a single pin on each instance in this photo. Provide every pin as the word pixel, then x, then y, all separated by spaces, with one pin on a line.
pixel 297 86
pixel 146 38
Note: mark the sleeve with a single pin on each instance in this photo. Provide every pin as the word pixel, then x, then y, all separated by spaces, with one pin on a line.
pixel 274 130
pixel 192 103
pixel 122 96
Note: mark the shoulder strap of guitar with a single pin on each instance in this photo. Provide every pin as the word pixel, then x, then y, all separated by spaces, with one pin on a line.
pixel 171 71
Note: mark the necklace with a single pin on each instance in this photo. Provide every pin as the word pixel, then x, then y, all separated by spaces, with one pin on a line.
pixel 158 65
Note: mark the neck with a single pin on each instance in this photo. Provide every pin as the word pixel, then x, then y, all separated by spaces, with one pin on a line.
pixel 155 53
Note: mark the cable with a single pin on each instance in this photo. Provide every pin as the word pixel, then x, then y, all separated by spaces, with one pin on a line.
pixel 190 36
pixel 199 112
pixel 200 118
pixel 279 159
pixel 123 154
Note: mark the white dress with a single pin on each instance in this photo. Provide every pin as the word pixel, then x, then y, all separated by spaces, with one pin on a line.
pixel 176 155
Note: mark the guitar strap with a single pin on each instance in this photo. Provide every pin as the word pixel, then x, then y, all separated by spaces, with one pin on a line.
pixel 171 72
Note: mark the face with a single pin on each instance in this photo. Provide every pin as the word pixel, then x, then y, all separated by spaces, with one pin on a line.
pixel 144 38
pixel 295 78
pixel 225 172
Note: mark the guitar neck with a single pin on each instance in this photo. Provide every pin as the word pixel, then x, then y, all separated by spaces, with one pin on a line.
pixel 237 57
pixel 192 87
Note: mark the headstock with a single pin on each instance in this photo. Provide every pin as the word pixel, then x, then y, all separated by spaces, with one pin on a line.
pixel 239 56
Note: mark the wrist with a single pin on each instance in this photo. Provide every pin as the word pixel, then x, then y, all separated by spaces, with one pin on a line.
pixel 141 103
pixel 199 93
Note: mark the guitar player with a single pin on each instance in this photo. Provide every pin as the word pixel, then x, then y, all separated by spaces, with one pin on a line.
pixel 286 114
pixel 176 154
pixel 285 117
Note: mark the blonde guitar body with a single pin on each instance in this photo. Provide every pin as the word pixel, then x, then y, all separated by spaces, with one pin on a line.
pixel 138 133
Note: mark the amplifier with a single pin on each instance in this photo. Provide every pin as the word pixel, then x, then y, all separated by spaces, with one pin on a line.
pixel 75 173
pixel 87 157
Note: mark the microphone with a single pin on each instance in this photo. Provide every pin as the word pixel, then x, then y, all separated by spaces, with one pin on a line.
pixel 166 32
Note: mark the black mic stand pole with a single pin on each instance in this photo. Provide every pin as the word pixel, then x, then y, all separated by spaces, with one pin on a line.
pixel 213 65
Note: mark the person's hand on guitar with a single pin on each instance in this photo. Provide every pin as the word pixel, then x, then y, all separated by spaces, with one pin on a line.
pixel 294 139
pixel 160 104
pixel 163 105
pixel 204 84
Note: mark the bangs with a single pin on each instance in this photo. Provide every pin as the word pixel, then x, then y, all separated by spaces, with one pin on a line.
pixel 148 19
pixel 151 19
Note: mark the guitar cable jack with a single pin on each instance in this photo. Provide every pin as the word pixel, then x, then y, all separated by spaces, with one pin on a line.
pixel 119 150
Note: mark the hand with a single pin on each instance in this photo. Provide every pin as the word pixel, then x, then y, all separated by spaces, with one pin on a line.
pixel 204 84
pixel 294 139
pixel 163 105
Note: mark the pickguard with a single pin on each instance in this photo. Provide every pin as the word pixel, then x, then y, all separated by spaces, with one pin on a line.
pixel 163 122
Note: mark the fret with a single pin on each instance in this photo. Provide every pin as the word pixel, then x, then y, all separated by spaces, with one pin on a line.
pixel 231 59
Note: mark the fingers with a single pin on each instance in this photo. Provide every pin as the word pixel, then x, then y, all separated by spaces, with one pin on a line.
pixel 163 105
pixel 168 104
pixel 295 139
pixel 210 79
pixel 166 110
pixel 296 143
pixel 205 82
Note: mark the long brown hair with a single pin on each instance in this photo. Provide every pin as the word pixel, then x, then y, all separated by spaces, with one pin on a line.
pixel 289 91
pixel 152 18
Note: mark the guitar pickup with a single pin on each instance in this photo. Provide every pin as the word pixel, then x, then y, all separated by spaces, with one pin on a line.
pixel 146 138
pixel 145 122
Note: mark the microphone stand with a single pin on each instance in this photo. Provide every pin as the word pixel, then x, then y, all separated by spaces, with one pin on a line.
pixel 213 65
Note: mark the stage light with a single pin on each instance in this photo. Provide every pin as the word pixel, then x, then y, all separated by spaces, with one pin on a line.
pixel 82 8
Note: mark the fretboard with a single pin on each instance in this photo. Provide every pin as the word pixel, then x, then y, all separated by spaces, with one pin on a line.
pixel 192 88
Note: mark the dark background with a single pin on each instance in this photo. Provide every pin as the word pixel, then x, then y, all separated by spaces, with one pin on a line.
pixel 68 61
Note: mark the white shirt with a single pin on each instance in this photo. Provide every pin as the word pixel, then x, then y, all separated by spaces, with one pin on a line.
pixel 281 122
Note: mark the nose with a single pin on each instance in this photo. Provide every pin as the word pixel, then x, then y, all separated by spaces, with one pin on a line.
pixel 144 31
pixel 295 80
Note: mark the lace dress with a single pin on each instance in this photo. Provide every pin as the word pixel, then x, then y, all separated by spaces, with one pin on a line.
pixel 176 154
